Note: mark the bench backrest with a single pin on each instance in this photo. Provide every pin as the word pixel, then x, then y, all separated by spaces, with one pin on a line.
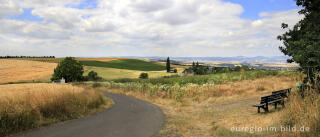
pixel 269 98
pixel 283 93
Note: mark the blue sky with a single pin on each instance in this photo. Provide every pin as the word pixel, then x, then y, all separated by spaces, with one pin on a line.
pixel 144 27
pixel 25 16
pixel 252 8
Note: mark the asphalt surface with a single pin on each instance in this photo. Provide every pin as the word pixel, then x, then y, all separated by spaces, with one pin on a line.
pixel 128 117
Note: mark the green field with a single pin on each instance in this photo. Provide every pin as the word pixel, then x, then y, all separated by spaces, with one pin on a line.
pixel 212 78
pixel 113 73
pixel 129 64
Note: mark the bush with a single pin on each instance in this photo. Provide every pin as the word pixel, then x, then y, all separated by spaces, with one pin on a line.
pixel 175 71
pixel 93 76
pixel 69 69
pixel 144 76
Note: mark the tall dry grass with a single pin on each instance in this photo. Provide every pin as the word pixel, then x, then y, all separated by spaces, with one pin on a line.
pixel 24 106
pixel 24 70
pixel 302 112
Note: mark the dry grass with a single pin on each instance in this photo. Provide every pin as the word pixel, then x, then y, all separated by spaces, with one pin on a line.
pixel 24 70
pixel 35 93
pixel 213 109
pixel 302 112
pixel 24 106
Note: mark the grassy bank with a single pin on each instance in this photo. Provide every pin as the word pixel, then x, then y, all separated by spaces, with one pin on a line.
pixel 302 112
pixel 25 106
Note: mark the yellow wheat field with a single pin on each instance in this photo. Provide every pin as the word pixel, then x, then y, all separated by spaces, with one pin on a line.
pixel 23 70
pixel 35 94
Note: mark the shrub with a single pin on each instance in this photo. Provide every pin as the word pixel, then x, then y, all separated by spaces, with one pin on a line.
pixel 93 76
pixel 69 69
pixel 144 76
pixel 175 71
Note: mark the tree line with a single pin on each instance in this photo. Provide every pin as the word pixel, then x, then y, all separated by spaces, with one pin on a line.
pixel 27 56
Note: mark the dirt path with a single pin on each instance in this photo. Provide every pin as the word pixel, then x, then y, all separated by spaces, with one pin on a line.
pixel 129 117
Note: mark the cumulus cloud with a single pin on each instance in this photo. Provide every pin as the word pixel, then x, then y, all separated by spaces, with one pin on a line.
pixel 8 7
pixel 142 27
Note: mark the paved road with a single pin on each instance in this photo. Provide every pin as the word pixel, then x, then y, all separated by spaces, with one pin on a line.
pixel 129 117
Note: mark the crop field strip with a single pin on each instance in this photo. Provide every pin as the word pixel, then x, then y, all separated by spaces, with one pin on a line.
pixel 130 64
pixel 24 70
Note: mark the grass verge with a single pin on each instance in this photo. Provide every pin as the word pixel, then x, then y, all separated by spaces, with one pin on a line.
pixel 303 114
pixel 25 106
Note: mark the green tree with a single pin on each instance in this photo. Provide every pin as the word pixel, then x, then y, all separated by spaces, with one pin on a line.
pixel 93 76
pixel 175 71
pixel 144 76
pixel 168 65
pixel 69 69
pixel 302 42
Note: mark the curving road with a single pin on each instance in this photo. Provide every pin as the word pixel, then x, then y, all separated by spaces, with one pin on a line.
pixel 128 117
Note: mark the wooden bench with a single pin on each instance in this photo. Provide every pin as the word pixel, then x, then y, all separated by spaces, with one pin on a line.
pixel 283 93
pixel 277 97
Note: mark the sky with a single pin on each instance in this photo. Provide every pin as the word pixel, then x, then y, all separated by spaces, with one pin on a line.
pixel 178 28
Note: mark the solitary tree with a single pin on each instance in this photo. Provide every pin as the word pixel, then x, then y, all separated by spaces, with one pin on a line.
pixel 302 42
pixel 168 65
pixel 92 75
pixel 69 69
pixel 144 76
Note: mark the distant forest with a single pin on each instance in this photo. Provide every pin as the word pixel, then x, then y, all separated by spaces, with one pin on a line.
pixel 27 56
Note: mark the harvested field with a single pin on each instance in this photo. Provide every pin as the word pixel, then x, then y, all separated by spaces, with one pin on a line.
pixel 24 70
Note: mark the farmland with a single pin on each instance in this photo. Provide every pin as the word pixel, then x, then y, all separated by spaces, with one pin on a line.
pixel 130 64
pixel 200 105
pixel 113 73
pixel 24 70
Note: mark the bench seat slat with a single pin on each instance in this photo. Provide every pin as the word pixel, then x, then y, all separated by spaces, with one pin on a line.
pixel 258 105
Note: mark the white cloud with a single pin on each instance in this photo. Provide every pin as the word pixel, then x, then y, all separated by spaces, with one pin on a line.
pixel 257 23
pixel 8 7
pixel 142 27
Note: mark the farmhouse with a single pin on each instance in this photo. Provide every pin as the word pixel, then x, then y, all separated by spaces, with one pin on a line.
pixel 187 72
pixel 61 81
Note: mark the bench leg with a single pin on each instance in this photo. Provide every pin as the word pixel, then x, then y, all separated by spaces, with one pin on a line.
pixel 275 105
pixel 282 103
pixel 266 108
pixel 258 109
